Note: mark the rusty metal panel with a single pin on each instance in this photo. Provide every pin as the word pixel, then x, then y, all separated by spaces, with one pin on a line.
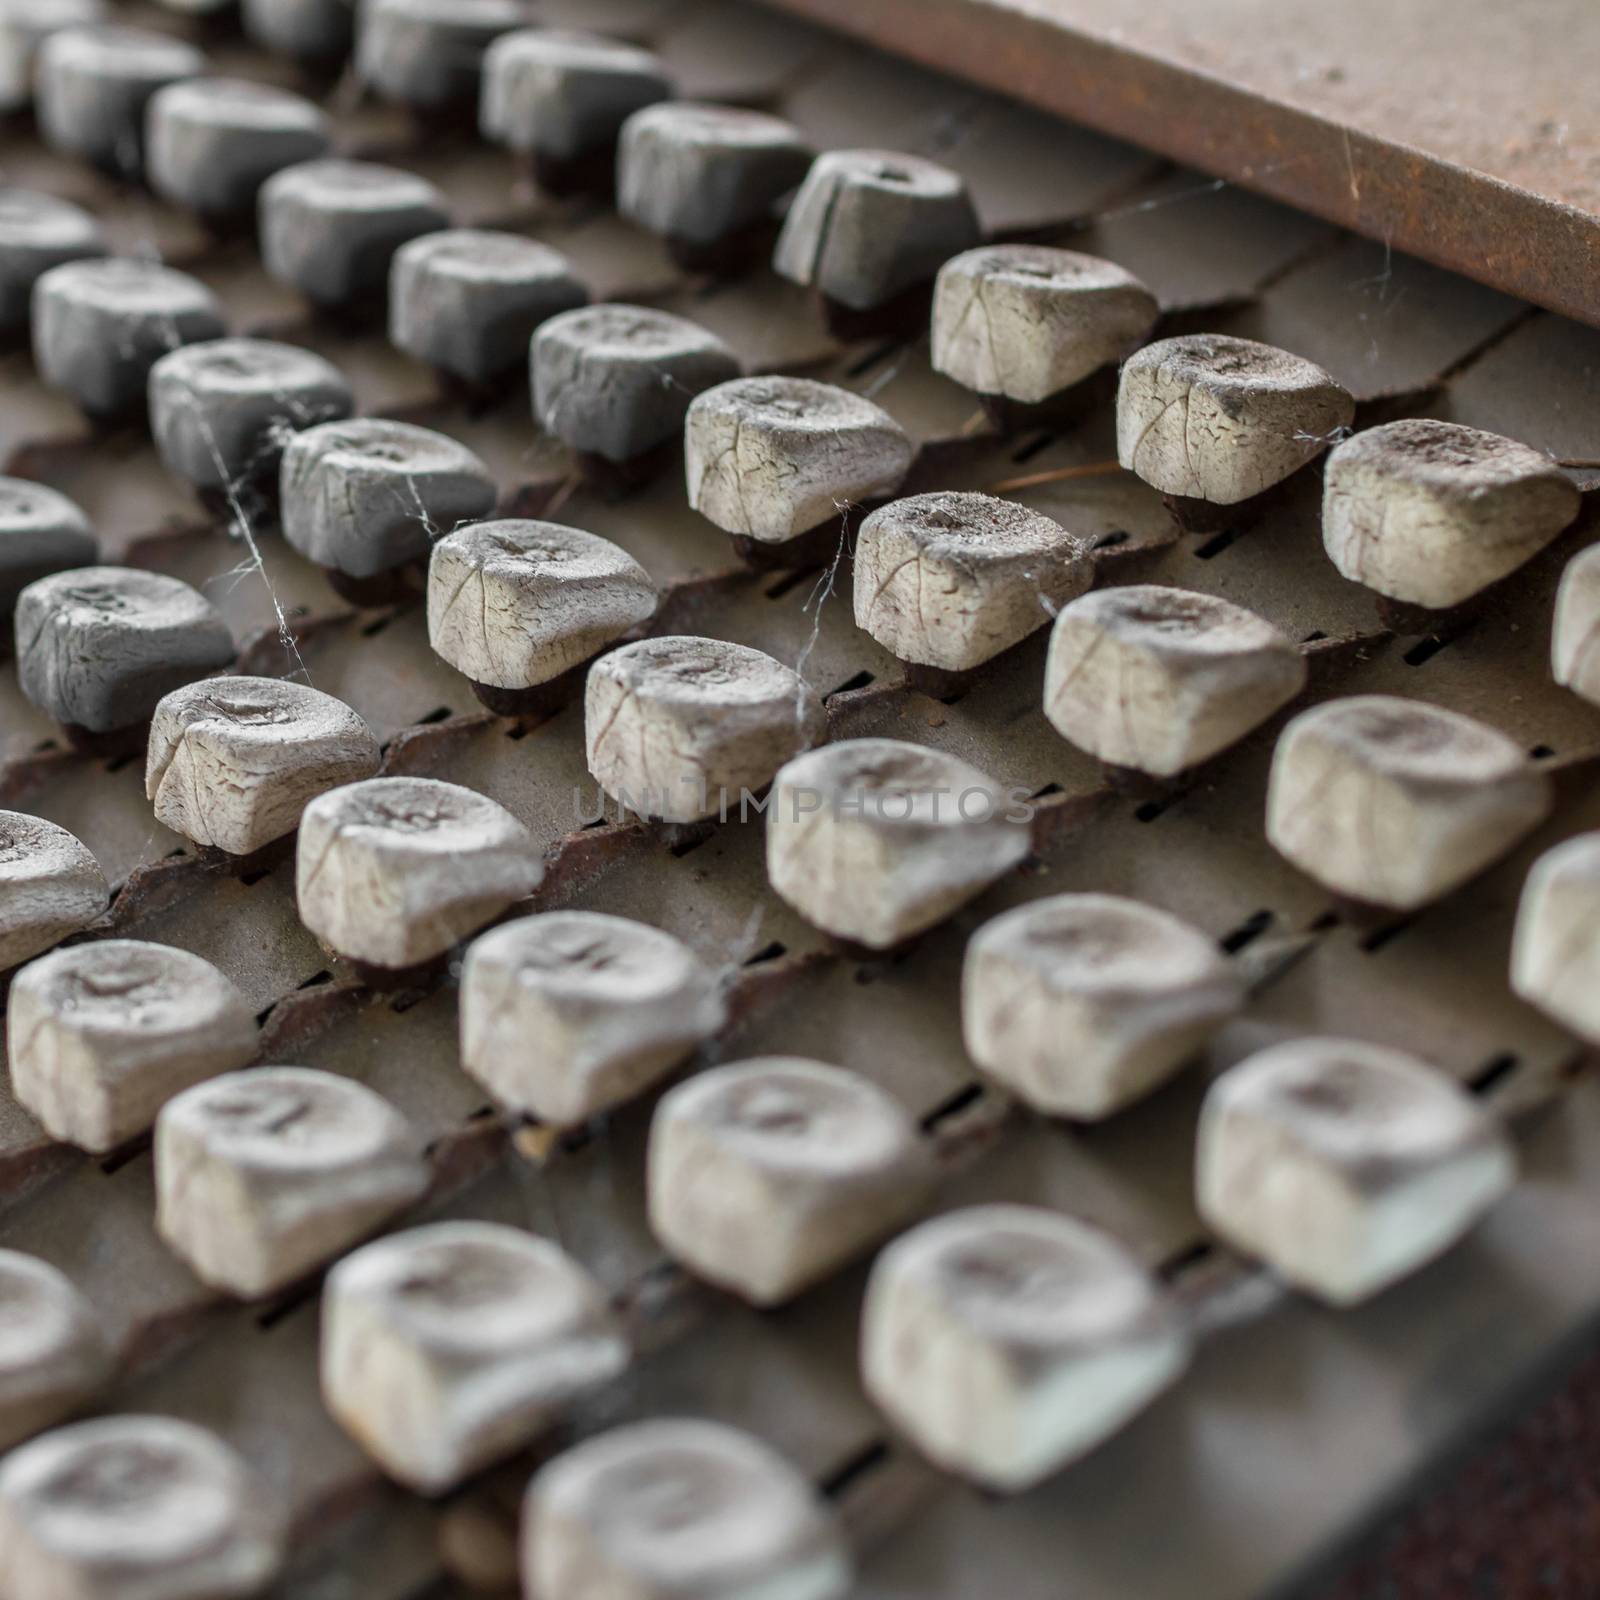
pixel 1455 131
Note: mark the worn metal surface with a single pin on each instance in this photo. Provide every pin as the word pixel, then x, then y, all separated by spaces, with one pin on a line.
pixel 1458 130
pixel 1297 1424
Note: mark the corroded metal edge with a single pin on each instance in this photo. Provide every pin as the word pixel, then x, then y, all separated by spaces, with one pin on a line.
pixel 1414 200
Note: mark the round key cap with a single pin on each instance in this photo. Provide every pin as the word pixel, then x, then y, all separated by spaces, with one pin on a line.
pixel 98 647
pixel 50 886
pixel 489 1332
pixel 364 497
pixel 950 580
pixel 53 1355
pixel 135 1508
pixel 561 98
pixel 569 1013
pixel 1431 513
pixel 93 84
pixel 1575 642
pixel 768 1175
pixel 467 301
pixel 1394 802
pixel 393 871
pixel 1082 1003
pixel 102 1035
pixel 684 728
pixel 616 381
pixel 41 532
pixel 263 1175
pixel 1210 418
pixel 1345 1165
pixel 331 228
pixel 768 459
pixel 1555 955
pixel 24 26
pixel 518 605
pixel 665 1508
pixel 875 840
pixel 38 232
pixel 316 31
pixel 100 326
pixel 222 412
pixel 234 761
pixel 1007 1341
pixel 1156 680
pixel 869 229
pixel 211 143
pixel 428 54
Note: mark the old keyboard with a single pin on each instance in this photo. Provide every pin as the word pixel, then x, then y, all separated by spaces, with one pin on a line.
pixel 1300 1418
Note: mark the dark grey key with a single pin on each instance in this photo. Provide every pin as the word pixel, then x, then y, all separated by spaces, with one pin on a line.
pixel 211 143
pixel 222 412
pixel 428 54
pixel 467 301
pixel 93 84
pixel 100 326
pixel 40 532
pixel 701 175
pixel 38 232
pixel 310 30
pixel 615 381
pixel 331 228
pixel 99 647
pixel 24 26
pixel 362 498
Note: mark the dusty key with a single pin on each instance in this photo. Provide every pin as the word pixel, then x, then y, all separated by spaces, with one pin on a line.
pixel 233 761
pixel 683 728
pixel 1081 1004
pixel 41 532
pixel 1156 680
pixel 221 412
pixel 366 497
pixel 135 1508
pixel 770 459
pixel 99 646
pixel 102 1035
pixel 521 607
pixel 710 180
pixel 949 580
pixel 24 26
pixel 869 230
pixel 569 1013
pixel 1555 955
pixel 428 54
pixel 560 99
pixel 1212 422
pixel 467 301
pixel 38 232
pixel 1575 643
pixel 488 1332
pixel 614 382
pixel 53 1355
pixel 331 228
pixel 319 32
pixel 100 326
pixel 768 1175
pixel 50 886
pixel 1393 802
pixel 1431 513
pixel 1007 1341
pixel 875 840
pixel 210 143
pixel 676 1507
pixel 1344 1165
pixel 261 1176
pixel 92 85
pixel 1027 325
pixel 393 871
